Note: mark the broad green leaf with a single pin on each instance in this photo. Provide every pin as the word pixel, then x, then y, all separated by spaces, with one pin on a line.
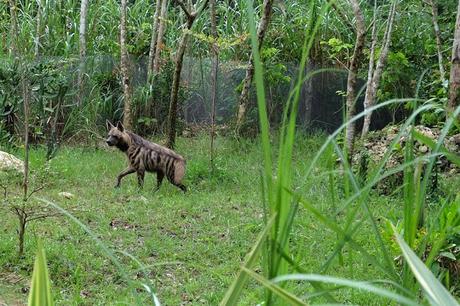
pixel 435 291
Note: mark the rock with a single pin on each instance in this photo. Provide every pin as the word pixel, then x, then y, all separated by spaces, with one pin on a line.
pixel 377 143
pixel 9 162
pixel 66 195
pixel 423 149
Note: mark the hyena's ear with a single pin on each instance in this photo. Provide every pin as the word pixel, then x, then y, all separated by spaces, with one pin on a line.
pixel 120 126
pixel 109 125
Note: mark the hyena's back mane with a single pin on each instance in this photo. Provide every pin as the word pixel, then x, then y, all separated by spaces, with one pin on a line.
pixel 139 141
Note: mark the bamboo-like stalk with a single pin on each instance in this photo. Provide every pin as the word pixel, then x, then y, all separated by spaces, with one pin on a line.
pixel 214 71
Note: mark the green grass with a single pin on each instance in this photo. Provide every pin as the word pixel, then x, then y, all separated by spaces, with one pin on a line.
pixel 195 242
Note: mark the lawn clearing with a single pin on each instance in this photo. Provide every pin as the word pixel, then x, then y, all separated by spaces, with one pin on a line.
pixel 192 243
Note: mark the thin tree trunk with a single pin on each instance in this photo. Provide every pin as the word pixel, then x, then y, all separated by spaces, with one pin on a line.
pixel 21 232
pixel 82 36
pixel 127 116
pixel 353 75
pixel 38 29
pixel 437 33
pixel 454 90
pixel 244 96
pixel 370 73
pixel 25 96
pixel 374 81
pixel 307 92
pixel 214 71
pixel 161 32
pixel 153 40
pixel 14 27
pixel 175 90
pixel 172 116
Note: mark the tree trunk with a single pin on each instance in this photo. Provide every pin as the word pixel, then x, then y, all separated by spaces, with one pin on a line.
pixel 82 36
pixel 161 32
pixel 172 116
pixel 374 81
pixel 14 27
pixel 175 90
pixel 244 96
pixel 454 90
pixel 21 233
pixel 353 75
pixel 127 119
pixel 214 71
pixel 307 94
pixel 437 33
pixel 38 29
pixel 153 40
pixel 25 97
pixel 370 72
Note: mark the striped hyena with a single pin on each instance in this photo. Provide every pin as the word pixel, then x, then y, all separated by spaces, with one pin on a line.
pixel 144 156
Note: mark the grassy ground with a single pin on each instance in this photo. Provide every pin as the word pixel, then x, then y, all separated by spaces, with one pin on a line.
pixel 193 243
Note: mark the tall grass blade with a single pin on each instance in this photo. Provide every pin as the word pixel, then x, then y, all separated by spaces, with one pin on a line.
pixel 40 289
pixel 282 293
pixel 366 286
pixel 435 291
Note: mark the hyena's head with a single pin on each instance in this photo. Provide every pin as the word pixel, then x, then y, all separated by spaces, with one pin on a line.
pixel 117 136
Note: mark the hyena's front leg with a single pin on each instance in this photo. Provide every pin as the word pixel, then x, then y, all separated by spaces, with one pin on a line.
pixel 140 178
pixel 124 173
pixel 160 176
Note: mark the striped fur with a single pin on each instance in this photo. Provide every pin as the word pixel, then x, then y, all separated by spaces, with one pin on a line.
pixel 145 156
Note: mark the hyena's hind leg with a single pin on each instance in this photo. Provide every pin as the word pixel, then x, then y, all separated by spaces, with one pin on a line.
pixel 177 184
pixel 124 173
pixel 182 187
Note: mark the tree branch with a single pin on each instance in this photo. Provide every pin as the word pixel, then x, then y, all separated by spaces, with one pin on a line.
pixel 184 8
pixel 35 190
pixel 43 216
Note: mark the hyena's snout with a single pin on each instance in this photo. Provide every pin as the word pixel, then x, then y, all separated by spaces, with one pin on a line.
pixel 110 141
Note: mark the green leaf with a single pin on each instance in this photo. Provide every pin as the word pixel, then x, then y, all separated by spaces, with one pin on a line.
pixel 448 255
pixel 40 289
pixel 435 291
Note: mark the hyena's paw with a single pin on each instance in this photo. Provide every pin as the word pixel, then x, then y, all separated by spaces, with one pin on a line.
pixel 116 186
